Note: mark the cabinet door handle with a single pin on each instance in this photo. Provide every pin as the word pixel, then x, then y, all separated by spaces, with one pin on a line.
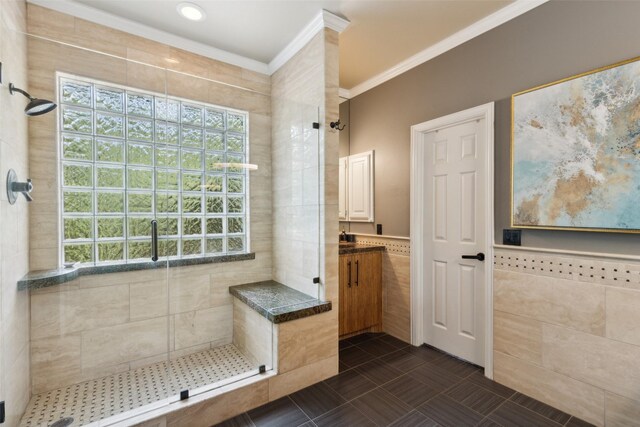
pixel 349 273
pixel 357 272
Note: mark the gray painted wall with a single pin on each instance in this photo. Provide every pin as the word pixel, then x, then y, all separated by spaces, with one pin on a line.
pixel 556 40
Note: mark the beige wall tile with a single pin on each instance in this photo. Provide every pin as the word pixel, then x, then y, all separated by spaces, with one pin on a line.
pixel 560 391
pixel 396 299
pixel 187 86
pixel 623 315
pixel 16 380
pixel 148 299
pixel 219 293
pixel 203 326
pixel 297 379
pixel 620 411
pixel 66 312
pixel 221 408
pixel 15 310
pixel 188 293
pixel 562 302
pixel 47 22
pixel 162 422
pixel 93 372
pixel 92 64
pixel 146 77
pixel 604 363
pixel 253 334
pixel 55 362
pixel 517 336
pixel 114 345
pixel 190 350
pixel 135 364
pixel 305 341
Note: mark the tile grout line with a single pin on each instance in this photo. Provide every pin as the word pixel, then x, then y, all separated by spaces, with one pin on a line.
pixel 536 412
pixel 301 410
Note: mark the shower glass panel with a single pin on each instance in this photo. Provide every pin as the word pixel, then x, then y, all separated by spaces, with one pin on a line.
pixel 101 343
pixel 296 169
pixel 224 174
pixel 137 146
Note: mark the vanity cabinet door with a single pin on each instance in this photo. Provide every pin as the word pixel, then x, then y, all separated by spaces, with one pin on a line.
pixel 368 277
pixel 360 291
pixel 348 309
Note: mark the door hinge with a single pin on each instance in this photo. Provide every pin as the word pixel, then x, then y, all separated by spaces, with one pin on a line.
pixel 262 369
pixel 184 394
pixel 316 125
pixel 2 412
pixel 316 280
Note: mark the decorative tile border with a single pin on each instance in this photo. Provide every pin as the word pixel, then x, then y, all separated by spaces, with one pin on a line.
pixel 624 274
pixel 394 245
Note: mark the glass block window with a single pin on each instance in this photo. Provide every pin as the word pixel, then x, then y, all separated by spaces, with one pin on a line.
pixel 128 157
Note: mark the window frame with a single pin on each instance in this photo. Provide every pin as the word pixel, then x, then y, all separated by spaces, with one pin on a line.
pixel 155 168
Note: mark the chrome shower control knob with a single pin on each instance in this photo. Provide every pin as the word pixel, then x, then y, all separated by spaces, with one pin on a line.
pixel 14 187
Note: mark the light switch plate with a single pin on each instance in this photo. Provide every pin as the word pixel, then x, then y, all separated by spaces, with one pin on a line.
pixel 511 237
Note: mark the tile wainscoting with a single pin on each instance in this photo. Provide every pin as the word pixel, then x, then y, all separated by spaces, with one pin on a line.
pixel 565 332
pixel 396 283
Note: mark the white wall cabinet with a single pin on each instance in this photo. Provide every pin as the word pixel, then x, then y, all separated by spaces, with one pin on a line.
pixel 342 194
pixel 356 174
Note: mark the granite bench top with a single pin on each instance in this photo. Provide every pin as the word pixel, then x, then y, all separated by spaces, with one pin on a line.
pixel 277 302
pixel 356 248
pixel 46 278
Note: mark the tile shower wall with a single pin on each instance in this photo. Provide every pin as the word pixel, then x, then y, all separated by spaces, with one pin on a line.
pixel 307 348
pixel 305 87
pixel 104 324
pixel 566 332
pixel 14 219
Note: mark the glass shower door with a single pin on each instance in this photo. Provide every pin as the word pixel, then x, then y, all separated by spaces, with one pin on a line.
pixel 218 165
pixel 99 342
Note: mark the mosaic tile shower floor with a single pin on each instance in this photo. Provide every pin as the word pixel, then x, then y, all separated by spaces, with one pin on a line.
pixel 101 398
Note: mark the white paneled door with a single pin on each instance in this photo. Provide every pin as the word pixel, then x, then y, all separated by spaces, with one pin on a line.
pixel 455 197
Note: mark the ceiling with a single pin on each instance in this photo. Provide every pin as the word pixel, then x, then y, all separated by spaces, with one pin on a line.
pixel 382 33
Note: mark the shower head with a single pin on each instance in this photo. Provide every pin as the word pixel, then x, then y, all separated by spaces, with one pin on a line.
pixel 35 107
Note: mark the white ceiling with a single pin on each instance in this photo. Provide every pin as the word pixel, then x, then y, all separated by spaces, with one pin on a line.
pixel 382 33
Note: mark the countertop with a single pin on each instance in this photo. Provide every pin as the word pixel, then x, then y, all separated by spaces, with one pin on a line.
pixel 46 278
pixel 356 248
pixel 277 302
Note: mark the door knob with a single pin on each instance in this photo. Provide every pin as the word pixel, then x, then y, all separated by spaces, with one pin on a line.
pixel 479 256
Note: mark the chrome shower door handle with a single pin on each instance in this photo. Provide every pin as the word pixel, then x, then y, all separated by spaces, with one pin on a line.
pixel 154 240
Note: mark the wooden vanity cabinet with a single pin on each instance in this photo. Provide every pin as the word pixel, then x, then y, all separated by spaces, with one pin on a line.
pixel 360 277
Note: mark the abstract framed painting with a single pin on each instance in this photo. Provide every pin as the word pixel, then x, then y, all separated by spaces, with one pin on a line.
pixel 575 152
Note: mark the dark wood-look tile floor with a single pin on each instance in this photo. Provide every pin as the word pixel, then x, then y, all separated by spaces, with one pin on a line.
pixel 386 382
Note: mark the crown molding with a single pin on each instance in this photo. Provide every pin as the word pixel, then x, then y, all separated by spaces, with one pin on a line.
pixel 322 19
pixel 97 16
pixel 489 22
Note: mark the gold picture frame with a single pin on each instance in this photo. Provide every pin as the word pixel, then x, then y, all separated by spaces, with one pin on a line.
pixel 545 209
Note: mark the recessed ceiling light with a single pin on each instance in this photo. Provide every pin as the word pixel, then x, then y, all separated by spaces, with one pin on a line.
pixel 191 11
